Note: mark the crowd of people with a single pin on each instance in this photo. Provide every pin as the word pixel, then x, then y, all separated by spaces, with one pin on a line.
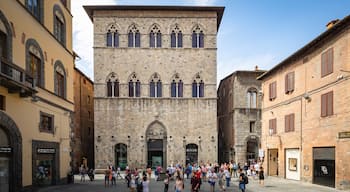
pixel 214 174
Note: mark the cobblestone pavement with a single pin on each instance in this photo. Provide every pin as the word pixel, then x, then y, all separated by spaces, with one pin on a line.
pixel 272 184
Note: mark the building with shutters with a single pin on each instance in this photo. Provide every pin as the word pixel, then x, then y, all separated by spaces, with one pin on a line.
pixel 305 115
pixel 239 117
pixel 36 93
pixel 155 84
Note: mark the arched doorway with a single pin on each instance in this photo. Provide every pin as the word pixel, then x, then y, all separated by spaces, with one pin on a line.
pixel 156 145
pixel 252 149
pixel 191 153
pixel 10 155
pixel 121 155
pixel 4 161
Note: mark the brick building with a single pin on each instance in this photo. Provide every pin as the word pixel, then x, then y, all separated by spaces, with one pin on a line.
pixel 239 117
pixel 155 84
pixel 305 127
pixel 83 137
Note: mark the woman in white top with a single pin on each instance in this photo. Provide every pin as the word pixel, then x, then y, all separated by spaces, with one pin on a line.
pixel 212 179
pixel 132 184
pixel 145 184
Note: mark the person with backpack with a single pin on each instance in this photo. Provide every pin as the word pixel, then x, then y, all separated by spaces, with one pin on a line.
pixel 243 180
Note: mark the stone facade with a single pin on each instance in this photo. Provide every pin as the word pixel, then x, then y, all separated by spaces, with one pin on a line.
pixel 316 149
pixel 144 125
pixel 83 139
pixel 239 117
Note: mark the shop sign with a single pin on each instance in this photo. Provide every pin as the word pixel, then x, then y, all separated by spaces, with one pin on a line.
pixel 46 150
pixel 343 135
pixel 5 149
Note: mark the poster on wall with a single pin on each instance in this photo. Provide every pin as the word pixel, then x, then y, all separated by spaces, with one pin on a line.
pixel 292 164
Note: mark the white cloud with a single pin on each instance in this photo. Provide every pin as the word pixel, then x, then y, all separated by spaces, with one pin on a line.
pixel 203 2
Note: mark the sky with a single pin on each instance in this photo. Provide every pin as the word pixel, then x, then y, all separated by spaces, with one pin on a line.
pixel 252 32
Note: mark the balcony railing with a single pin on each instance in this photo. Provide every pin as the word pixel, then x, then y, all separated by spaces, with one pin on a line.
pixel 15 79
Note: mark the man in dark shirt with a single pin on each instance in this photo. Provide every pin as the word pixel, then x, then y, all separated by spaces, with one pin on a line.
pixel 241 180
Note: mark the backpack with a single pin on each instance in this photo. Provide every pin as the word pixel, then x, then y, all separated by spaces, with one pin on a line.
pixel 245 178
pixel 139 186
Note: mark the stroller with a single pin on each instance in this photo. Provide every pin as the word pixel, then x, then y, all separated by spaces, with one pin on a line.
pixel 91 174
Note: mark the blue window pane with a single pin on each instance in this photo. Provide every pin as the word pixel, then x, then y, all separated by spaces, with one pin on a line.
pixel 116 89
pixel 137 40
pixel 194 89
pixel 109 39
pixel 159 40
pixel 180 89
pixel 201 39
pixel 131 89
pixel 194 40
pixel 173 89
pixel 151 89
pixel 173 39
pixel 36 9
pixel 116 40
pixel 130 39
pixel 159 89
pixel 151 40
pixel 109 89
pixel 179 39
pixel 138 88
pixel 201 89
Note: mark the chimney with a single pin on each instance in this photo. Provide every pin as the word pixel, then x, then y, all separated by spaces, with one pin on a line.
pixel 332 23
pixel 256 68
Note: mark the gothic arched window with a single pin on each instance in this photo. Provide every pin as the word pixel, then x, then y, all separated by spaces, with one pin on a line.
pixel 176 87
pixel 176 37
pixel 155 86
pixel 112 36
pixel 134 37
pixel 155 37
pixel 112 86
pixel 134 86
pixel 198 87
pixel 197 37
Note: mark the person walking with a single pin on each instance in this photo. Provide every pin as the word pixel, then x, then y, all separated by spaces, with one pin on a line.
pixel 242 180
pixel 227 176
pixel 261 176
pixel 145 184
pixel 179 184
pixel 166 181
pixel 221 176
pixel 212 179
